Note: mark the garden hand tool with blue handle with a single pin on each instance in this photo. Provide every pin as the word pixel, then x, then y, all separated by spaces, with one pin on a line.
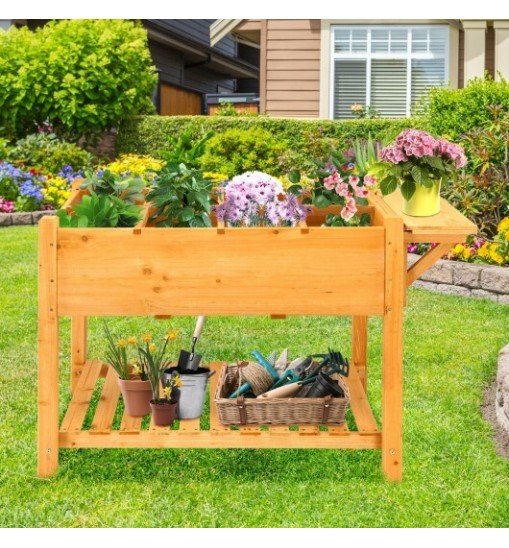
pixel 258 356
pixel 294 372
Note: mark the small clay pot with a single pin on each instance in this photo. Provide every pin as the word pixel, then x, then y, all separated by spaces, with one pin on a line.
pixel 163 412
pixel 137 395
pixel 324 386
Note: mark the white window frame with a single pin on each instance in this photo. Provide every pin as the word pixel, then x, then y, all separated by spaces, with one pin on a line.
pixel 368 56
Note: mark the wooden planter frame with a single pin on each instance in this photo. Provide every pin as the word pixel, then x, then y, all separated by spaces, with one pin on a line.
pixel 163 272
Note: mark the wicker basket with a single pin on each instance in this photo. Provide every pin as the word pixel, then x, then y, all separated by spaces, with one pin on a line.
pixel 290 411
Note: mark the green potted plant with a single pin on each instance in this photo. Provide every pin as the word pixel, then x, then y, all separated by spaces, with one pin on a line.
pixel 154 360
pixel 417 163
pixel 132 376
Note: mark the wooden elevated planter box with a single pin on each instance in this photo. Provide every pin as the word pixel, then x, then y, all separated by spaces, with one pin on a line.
pixel 147 271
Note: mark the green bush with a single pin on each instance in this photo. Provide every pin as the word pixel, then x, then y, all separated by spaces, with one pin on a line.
pixel 453 112
pixel 238 150
pixel 83 76
pixel 304 140
pixel 45 151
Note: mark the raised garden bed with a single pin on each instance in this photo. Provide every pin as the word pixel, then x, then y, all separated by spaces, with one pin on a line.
pixel 307 270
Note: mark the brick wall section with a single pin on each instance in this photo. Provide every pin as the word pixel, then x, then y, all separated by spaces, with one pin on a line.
pixel 17 219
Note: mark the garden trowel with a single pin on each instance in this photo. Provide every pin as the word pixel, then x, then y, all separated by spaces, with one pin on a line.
pixel 189 362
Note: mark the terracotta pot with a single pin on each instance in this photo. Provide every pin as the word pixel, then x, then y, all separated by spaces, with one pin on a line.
pixel 137 395
pixel 163 413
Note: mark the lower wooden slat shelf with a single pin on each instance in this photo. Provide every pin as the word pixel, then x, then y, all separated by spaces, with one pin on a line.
pixel 130 433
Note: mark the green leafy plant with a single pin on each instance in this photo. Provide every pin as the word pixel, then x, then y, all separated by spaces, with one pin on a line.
pixel 181 197
pixel 482 193
pixel 365 155
pixel 154 360
pixel 100 211
pixel 82 75
pixel 44 150
pixel 237 151
pixel 301 140
pixel 453 112
pixel 106 183
pixel 364 219
pixel 185 149
pixel 117 357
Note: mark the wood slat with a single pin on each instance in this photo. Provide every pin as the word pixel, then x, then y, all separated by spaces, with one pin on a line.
pixel 297 95
pixel 425 262
pixel 291 75
pixel 293 85
pixel 166 266
pixel 105 412
pixel 189 425
pixel 130 425
pixel 279 429
pixel 80 401
pixel 449 222
pixel 294 64
pixel 294 24
pixel 308 430
pixel 363 416
pixel 293 54
pixel 213 440
pixel 215 424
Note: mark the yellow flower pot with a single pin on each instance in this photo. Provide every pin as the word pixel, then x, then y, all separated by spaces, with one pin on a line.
pixel 425 201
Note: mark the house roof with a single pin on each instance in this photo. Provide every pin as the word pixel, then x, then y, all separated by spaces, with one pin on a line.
pixel 246 31
pixel 197 53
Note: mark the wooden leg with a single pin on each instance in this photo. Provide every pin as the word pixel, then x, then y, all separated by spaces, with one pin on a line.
pixel 360 346
pixel 392 366
pixel 78 348
pixel 48 349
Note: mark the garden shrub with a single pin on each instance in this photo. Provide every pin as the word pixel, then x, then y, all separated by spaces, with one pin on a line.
pixel 83 76
pixel 238 150
pixel 482 192
pixel 453 112
pixel 46 152
pixel 303 139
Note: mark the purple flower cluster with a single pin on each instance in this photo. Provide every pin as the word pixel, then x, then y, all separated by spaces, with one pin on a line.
pixel 255 198
pixel 68 173
pixel 28 183
pixel 413 143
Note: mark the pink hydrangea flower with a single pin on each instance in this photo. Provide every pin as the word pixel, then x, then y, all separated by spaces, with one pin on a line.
pixel 369 181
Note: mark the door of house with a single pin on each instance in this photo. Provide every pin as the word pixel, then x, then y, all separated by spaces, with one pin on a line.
pixel 177 101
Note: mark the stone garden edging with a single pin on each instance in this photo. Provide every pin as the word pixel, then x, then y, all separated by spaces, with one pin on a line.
pixel 24 218
pixel 478 281
pixel 502 391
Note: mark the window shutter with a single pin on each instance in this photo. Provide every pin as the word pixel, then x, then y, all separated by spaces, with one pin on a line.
pixel 425 74
pixel 388 87
pixel 349 87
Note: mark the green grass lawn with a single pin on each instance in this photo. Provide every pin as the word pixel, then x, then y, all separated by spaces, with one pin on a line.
pixel 452 475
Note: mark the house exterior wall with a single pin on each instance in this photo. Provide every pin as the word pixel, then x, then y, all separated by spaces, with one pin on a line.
pixel 290 67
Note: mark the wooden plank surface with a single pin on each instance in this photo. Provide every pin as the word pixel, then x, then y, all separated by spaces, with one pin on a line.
pixel 78 348
pixel 130 425
pixel 359 404
pixel 360 347
pixel 189 425
pixel 392 360
pixel 241 276
pixel 80 401
pixel 48 348
pixel 226 440
pixel 215 424
pixel 425 262
pixel 105 412
pixel 449 222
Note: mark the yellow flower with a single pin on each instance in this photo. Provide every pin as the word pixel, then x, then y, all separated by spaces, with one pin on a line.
pixel 356 108
pixel 172 335
pixel 147 337
pixel 177 381
pixel 131 341
pixel 483 251
pixel 136 369
pixel 167 391
pixel 121 343
pixel 458 249
pixel 152 347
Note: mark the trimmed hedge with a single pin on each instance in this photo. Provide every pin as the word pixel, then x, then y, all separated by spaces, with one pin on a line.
pixel 307 139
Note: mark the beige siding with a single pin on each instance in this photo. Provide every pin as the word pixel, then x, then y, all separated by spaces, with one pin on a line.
pixel 292 67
